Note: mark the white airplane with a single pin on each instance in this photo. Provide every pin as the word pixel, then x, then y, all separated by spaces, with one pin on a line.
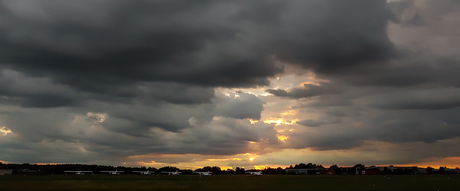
pixel 171 173
pixel 145 172
pixel 77 172
pixel 258 173
pixel 113 172
pixel 204 173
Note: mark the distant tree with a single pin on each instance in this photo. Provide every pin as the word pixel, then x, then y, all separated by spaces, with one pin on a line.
pixel 168 168
pixel 300 166
pixel 152 168
pixel 334 166
pixel 414 169
pixel 429 169
pixel 359 168
pixel 442 170
pixel 214 169
pixel 239 170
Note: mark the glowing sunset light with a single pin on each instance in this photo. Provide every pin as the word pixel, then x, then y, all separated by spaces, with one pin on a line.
pixel 5 131
pixel 217 160
pixel 289 112
pixel 282 138
pixel 260 167
pixel 284 130
pixel 251 159
pixel 280 121
pixel 226 168
pixel 253 121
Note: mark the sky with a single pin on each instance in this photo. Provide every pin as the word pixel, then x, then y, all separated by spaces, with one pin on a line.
pixel 230 83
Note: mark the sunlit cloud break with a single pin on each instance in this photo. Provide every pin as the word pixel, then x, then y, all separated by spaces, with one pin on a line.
pixel 5 131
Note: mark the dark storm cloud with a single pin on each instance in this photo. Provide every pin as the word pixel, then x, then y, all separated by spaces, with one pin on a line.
pixel 91 80
pixel 94 46
pixel 335 36
pixel 118 43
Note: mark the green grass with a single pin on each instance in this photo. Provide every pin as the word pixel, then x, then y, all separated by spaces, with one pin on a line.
pixel 232 182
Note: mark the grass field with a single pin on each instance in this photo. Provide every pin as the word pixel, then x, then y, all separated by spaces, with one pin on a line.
pixel 231 182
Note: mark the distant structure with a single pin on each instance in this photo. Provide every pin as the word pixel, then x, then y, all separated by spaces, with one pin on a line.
pixel 310 171
pixel 6 171
pixel 257 173
pixel 171 172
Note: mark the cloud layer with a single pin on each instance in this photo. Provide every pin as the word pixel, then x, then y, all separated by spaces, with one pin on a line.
pixel 100 81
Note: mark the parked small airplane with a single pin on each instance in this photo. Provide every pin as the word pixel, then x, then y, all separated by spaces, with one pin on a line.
pixel 27 170
pixel 77 172
pixel 145 172
pixel 113 172
pixel 258 173
pixel 171 173
pixel 204 173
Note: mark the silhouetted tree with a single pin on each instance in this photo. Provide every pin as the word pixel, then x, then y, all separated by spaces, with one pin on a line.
pixel 414 169
pixel 239 170
pixel 214 169
pixel 334 166
pixel 359 168
pixel 442 170
pixel 429 170
pixel 168 168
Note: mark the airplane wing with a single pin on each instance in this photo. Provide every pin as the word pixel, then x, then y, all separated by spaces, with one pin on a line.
pixel 149 172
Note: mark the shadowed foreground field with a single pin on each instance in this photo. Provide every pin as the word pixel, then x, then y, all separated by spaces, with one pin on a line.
pixel 231 182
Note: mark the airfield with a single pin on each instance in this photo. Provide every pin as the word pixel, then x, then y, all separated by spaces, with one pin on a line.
pixel 231 182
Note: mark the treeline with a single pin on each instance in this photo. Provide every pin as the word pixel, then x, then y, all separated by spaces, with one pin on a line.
pixel 301 168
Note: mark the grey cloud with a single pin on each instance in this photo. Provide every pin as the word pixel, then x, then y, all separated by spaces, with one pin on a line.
pixel 424 70
pixel 174 93
pixel 326 101
pixel 310 123
pixel 152 67
pixel 309 90
pixel 335 112
pixel 330 137
pixel 314 44
pixel 115 43
pixel 396 127
pixel 245 106
pixel 130 42
pixel 428 99
pixel 84 135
